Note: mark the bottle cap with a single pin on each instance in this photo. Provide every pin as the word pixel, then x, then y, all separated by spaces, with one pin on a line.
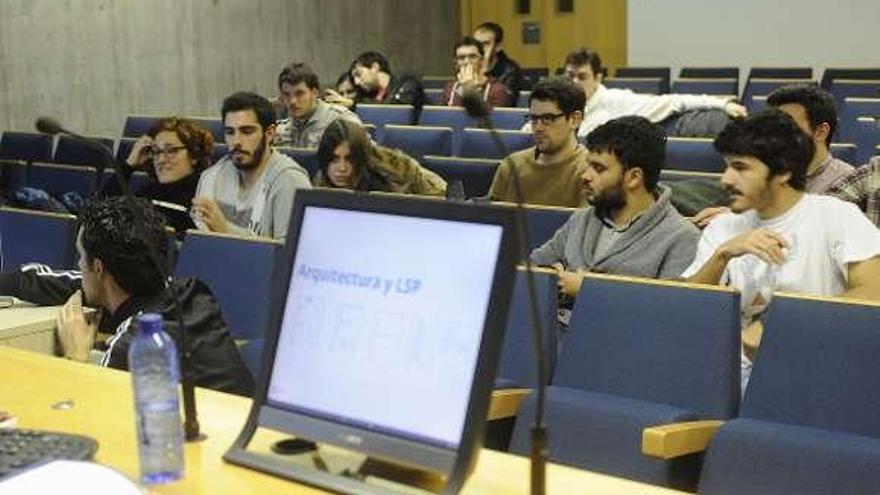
pixel 150 322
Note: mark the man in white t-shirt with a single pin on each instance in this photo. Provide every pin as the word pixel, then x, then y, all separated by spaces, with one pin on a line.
pixel 778 237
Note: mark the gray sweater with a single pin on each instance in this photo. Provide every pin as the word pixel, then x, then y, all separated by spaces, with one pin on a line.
pixel 272 195
pixel 659 244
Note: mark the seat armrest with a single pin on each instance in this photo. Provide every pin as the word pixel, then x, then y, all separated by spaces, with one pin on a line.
pixel 505 402
pixel 678 439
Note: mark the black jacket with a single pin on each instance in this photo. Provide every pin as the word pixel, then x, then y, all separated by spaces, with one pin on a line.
pixel 508 72
pixel 215 363
pixel 403 90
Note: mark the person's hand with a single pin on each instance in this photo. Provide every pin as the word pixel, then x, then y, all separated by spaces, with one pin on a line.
pixel 765 244
pixel 702 218
pixel 467 76
pixel 569 282
pixel 751 338
pixel 139 154
pixel 331 96
pixel 209 213
pixel 75 333
pixel 734 110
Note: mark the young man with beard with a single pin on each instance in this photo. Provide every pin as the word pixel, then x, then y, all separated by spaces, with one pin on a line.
pixel 549 172
pixel 630 227
pixel 777 235
pixel 249 191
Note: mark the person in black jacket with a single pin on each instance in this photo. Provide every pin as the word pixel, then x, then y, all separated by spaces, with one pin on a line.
pixel 375 83
pixel 498 64
pixel 118 276
pixel 174 151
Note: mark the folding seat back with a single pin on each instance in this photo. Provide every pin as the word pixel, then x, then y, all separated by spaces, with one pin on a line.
pixel 37 237
pixel 418 141
pixel 379 114
pixel 700 86
pixel 306 157
pixel 518 364
pixel 644 85
pixel 479 143
pixel 664 73
pixel 60 179
pixel 442 116
pixel 693 154
pixel 137 125
pixel 637 353
pixel 71 151
pixel 847 152
pixel 27 146
pixel 239 271
pixel 808 422
pixel 214 126
pixel 508 118
pixel 475 174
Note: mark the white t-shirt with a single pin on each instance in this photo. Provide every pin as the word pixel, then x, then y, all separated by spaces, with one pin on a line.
pixel 824 234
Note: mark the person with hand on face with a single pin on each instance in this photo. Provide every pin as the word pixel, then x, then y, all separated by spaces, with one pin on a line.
pixel 349 160
pixel 174 152
pixel 549 172
pixel 471 77
pixel 497 64
pixel 117 239
pixel 249 191
pixel 630 226
pixel 307 114
pixel 375 83
pixel 811 244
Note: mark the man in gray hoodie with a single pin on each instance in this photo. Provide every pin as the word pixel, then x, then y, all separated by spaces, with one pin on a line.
pixel 630 227
pixel 249 191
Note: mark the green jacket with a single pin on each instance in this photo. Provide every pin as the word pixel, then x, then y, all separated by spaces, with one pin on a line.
pixel 403 173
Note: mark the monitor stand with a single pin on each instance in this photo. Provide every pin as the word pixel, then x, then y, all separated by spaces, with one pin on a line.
pixel 333 467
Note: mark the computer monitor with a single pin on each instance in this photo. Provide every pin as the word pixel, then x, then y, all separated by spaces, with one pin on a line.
pixel 388 329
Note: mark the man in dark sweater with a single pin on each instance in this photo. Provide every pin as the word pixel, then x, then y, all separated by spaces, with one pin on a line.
pixel 630 227
pixel 498 64
pixel 119 277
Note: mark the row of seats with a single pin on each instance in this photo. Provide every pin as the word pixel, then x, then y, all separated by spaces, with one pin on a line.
pixel 639 354
pixel 685 157
pixel 658 352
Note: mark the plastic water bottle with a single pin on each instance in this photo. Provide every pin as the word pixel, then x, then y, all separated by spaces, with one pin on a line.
pixel 155 373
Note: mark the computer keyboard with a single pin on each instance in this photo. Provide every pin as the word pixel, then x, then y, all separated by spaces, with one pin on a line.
pixel 20 448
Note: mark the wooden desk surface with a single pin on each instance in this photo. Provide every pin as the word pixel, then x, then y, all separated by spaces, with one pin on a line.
pixel 27 318
pixel 103 409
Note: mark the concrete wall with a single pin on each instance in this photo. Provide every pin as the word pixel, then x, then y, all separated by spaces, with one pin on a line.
pixel 92 62
pixel 747 33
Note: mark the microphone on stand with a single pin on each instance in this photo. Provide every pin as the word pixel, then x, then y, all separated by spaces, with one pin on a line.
pixel 191 429
pixel 477 108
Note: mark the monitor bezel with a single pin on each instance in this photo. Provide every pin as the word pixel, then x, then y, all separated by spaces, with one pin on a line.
pixel 453 462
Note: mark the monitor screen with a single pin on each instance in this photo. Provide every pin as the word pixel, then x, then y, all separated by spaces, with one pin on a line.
pixel 383 321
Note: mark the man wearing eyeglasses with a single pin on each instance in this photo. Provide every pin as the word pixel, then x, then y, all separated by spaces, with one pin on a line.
pixel 471 76
pixel 550 171
pixel 584 67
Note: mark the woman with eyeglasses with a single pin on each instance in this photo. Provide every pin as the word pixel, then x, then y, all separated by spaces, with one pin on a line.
pixel 348 159
pixel 173 152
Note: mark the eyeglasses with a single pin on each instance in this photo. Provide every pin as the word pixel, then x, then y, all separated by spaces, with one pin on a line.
pixel 543 118
pixel 168 152
pixel 469 56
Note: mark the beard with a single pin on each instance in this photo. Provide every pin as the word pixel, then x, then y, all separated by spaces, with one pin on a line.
pixel 256 156
pixel 609 200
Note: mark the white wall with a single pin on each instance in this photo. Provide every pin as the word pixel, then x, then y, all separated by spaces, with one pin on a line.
pixel 749 33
